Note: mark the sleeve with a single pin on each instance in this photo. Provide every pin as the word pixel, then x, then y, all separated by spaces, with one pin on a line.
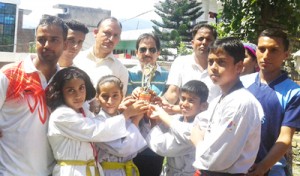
pixel 225 143
pixel 65 121
pixel 131 144
pixel 292 111
pixel 3 84
pixel 174 77
pixel 173 142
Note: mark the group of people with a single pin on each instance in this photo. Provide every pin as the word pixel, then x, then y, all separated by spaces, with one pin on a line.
pixel 226 109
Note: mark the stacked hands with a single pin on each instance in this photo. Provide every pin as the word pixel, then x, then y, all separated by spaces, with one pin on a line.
pixel 138 106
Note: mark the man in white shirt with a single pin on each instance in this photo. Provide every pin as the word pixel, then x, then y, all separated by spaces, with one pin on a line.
pixel 99 60
pixel 24 115
pixel 193 67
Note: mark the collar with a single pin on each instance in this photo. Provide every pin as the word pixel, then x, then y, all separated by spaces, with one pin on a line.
pixel 279 79
pixel 95 58
pixel 29 67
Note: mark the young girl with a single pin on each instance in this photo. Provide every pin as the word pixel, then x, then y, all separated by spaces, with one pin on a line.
pixel 180 155
pixel 116 157
pixel 72 128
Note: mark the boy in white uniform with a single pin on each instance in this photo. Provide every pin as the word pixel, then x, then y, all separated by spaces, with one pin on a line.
pixel 226 136
pixel 163 141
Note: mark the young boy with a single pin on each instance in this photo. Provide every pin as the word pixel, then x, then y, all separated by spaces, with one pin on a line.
pixel 227 135
pixel 161 140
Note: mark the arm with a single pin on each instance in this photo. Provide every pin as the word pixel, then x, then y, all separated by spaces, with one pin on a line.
pixel 172 94
pixel 4 84
pixel 166 142
pixel 66 122
pixel 129 145
pixel 276 153
pixel 124 78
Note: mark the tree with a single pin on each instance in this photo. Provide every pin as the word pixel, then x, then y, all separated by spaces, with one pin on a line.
pixel 245 19
pixel 178 18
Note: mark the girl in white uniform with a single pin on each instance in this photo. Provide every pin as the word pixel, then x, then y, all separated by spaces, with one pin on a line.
pixel 72 127
pixel 162 140
pixel 116 156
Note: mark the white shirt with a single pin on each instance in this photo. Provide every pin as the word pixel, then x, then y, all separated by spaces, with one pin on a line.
pixel 232 137
pixel 174 144
pixel 120 150
pixel 24 147
pixel 96 68
pixel 70 134
pixel 185 69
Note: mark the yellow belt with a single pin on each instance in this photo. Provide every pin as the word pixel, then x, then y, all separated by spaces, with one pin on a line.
pixel 128 166
pixel 88 164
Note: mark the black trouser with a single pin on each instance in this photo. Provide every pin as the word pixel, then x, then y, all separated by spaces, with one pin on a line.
pixel 148 163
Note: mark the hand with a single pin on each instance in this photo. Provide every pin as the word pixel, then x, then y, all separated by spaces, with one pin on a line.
pixel 127 101
pixel 95 106
pixel 136 108
pixel 256 170
pixel 136 92
pixel 197 134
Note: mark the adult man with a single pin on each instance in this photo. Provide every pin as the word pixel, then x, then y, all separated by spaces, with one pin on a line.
pixel 279 97
pixel 24 115
pixel 75 39
pixel 147 51
pixel 99 60
pixel 193 67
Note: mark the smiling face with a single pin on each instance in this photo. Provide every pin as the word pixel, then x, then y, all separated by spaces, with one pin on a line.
pixel 190 105
pixel 110 97
pixel 222 70
pixel 74 93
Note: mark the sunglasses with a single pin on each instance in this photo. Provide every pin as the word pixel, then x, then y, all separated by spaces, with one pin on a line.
pixel 144 49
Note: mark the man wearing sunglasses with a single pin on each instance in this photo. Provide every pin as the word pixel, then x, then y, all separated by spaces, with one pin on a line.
pixel 147 51
pixel 192 67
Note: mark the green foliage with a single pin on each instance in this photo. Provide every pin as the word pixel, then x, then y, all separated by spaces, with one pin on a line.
pixel 182 49
pixel 178 17
pixel 245 19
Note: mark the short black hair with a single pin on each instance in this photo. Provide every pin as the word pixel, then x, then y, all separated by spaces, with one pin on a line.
pixel 207 26
pixel 278 33
pixel 146 36
pixel 108 18
pixel 231 45
pixel 54 20
pixel 197 88
pixel 77 26
pixel 111 79
pixel 54 91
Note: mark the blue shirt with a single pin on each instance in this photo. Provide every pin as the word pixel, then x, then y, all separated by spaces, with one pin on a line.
pixel 281 103
pixel 158 83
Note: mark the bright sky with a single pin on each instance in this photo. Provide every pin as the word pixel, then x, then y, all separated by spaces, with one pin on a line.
pixel 121 9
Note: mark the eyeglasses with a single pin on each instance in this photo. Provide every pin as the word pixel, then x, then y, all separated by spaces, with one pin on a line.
pixel 144 49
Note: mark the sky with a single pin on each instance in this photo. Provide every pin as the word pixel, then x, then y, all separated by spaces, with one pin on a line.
pixel 121 9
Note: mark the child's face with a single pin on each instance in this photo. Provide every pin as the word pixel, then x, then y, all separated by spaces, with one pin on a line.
pixel 222 70
pixel 110 97
pixel 190 105
pixel 74 92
